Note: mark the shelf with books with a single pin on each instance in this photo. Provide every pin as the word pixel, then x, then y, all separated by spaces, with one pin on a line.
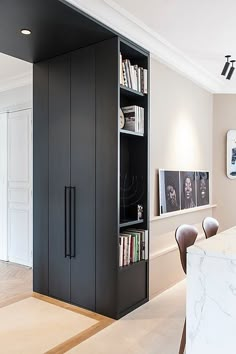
pixel 133 246
pixel 133 70
pixel 133 112
pixel 132 118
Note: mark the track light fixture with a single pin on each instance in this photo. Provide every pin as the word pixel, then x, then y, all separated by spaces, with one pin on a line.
pixel 231 70
pixel 226 66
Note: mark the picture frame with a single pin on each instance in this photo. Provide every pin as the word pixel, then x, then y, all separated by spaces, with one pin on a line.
pixel 169 191
pixel 180 190
pixel 231 154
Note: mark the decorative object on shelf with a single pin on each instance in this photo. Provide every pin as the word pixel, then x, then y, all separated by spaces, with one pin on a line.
pixel 131 193
pixel 179 190
pixel 231 154
pixel 139 212
pixel 122 119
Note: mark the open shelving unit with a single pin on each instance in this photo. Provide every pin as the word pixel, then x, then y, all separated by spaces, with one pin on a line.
pixel 133 279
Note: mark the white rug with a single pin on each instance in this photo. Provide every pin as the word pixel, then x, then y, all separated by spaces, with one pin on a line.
pixel 34 326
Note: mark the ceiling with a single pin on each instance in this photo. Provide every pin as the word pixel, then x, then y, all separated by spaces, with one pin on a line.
pixel 192 37
pixel 203 30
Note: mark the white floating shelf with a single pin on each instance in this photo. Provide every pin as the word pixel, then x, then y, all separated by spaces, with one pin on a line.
pixel 184 211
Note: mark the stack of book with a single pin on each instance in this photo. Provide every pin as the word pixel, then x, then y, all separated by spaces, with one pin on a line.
pixel 133 76
pixel 133 246
pixel 134 118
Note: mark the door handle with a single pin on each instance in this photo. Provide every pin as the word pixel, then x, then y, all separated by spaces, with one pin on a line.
pixel 67 222
pixel 72 221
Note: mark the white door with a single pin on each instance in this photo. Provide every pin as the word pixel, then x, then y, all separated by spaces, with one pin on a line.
pixel 3 186
pixel 20 187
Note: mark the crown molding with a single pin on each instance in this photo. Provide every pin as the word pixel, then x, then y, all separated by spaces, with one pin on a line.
pixel 117 18
pixel 20 80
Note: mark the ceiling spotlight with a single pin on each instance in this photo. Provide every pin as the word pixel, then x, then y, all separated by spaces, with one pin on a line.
pixel 231 70
pixel 227 64
pixel 26 31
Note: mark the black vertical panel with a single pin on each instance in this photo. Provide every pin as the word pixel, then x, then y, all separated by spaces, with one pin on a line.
pixel 40 177
pixel 83 176
pixel 107 176
pixel 59 174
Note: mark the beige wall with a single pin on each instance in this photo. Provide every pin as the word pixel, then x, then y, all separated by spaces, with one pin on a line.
pixel 180 139
pixel 224 115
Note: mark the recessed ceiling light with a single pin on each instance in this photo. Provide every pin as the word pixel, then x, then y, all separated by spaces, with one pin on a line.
pixel 26 31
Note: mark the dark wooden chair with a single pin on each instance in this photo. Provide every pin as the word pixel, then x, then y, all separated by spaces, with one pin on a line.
pixel 185 236
pixel 210 226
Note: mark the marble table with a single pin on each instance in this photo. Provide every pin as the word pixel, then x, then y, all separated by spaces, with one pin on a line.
pixel 211 295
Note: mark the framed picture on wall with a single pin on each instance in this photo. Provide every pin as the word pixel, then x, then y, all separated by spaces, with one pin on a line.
pixel 187 189
pixel 231 154
pixel 169 191
pixel 202 185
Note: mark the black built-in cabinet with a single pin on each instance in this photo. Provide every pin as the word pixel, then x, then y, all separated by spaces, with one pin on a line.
pixel 77 163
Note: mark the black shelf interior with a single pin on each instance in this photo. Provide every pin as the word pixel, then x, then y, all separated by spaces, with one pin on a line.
pixel 133 179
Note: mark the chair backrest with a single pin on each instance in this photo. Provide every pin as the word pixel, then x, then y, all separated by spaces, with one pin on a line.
pixel 210 226
pixel 185 236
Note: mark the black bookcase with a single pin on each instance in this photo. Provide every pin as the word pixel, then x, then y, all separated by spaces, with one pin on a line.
pixel 80 159
pixel 133 279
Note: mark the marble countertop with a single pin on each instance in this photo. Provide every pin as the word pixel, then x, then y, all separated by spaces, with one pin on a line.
pixel 223 245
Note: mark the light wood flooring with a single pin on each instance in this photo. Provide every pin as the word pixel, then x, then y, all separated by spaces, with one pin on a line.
pixel 15 282
pixel 154 328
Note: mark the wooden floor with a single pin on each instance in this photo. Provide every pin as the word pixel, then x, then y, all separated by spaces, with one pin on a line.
pixel 16 284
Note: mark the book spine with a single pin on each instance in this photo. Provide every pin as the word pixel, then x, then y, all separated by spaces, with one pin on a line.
pixel 143 245
pixel 145 81
pixel 121 245
pixel 121 71
pixel 133 249
pixel 124 74
pixel 142 79
pixel 146 244
pixel 127 73
pixel 128 250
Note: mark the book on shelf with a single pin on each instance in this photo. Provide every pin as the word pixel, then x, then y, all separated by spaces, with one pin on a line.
pixel 133 246
pixel 133 76
pixel 134 118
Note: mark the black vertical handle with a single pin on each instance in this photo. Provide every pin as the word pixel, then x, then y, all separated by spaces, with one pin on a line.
pixel 72 221
pixel 67 222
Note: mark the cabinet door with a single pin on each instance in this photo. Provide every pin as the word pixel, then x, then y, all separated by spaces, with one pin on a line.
pixel 59 174
pixel 83 176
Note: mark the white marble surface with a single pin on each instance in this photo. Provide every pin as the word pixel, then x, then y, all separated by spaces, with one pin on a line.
pixel 222 245
pixel 211 295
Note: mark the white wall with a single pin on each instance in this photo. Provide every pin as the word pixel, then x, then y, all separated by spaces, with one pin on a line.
pixel 180 139
pixel 15 97
pixel 224 188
